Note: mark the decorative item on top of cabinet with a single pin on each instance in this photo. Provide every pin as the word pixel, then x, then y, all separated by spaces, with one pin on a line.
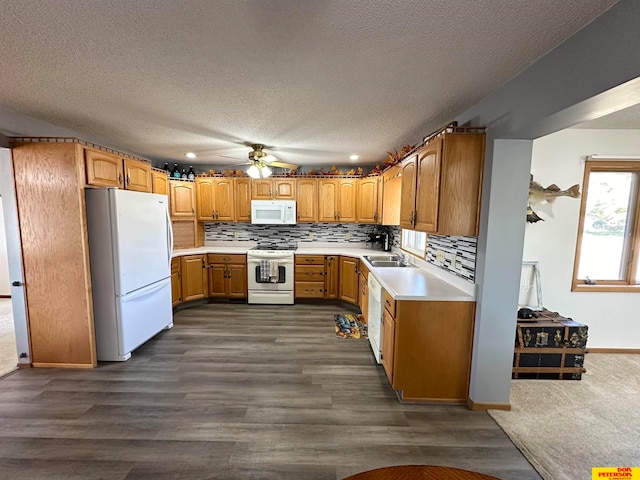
pixel 194 278
pixel 349 279
pixel 103 169
pixel 182 199
pixel 368 200
pixel 242 187
pixel 307 200
pixel 176 281
pixel 137 175
pixel 214 199
pixel 159 182
pixel 227 275
pixel 337 200
pixel 445 195
pixel 273 189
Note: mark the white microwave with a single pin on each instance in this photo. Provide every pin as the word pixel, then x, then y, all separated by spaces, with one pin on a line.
pixel 274 212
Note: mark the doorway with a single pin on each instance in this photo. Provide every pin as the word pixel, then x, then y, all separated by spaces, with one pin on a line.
pixel 8 352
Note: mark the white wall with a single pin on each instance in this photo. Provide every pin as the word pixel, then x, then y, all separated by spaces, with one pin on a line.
pixel 4 265
pixel 557 158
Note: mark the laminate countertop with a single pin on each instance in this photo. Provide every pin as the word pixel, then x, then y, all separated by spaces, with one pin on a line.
pixel 423 282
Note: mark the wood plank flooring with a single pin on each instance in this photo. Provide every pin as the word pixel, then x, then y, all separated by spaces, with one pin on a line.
pixel 237 391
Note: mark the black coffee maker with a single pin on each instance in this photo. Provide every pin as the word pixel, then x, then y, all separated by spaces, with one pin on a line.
pixel 379 241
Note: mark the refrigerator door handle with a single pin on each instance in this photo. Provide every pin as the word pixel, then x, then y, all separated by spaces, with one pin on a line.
pixel 169 237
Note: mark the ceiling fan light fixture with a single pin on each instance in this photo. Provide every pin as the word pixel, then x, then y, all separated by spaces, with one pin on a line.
pixel 265 171
pixel 253 171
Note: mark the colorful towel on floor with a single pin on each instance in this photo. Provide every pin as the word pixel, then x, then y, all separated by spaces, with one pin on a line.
pixel 350 325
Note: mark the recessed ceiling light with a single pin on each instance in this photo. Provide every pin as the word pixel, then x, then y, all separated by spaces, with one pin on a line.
pixel 190 155
pixel 354 157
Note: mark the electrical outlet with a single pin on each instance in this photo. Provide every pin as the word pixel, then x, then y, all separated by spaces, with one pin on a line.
pixel 235 234
pixel 311 235
pixel 347 236
pixel 453 260
pixel 440 255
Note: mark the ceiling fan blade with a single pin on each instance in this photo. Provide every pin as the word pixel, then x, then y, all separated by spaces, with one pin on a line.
pixel 290 166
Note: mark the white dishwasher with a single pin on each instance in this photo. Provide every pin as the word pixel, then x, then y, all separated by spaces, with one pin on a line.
pixel 375 316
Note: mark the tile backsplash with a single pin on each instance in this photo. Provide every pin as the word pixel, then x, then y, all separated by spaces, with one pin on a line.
pixel 286 234
pixel 464 249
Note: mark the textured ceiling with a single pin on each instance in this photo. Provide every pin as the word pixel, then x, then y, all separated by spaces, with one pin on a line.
pixel 315 80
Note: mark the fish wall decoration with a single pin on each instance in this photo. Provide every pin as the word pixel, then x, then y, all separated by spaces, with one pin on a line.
pixel 538 194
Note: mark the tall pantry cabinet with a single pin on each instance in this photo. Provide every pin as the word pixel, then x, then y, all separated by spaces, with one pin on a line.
pixel 49 182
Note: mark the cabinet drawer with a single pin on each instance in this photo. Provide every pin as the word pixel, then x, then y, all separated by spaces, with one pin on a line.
pixel 309 289
pixel 309 259
pixel 389 304
pixel 310 273
pixel 222 258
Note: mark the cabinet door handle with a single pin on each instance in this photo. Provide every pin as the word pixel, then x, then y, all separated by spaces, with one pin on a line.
pixel 213 214
pixel 120 178
pixel 128 179
pixel 386 302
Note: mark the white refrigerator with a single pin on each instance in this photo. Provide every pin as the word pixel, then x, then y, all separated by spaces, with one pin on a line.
pixel 130 244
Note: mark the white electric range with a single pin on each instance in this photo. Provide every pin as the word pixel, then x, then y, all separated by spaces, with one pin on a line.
pixel 270 272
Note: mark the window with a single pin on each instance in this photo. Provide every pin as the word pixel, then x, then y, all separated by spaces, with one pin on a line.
pixel 608 232
pixel 414 242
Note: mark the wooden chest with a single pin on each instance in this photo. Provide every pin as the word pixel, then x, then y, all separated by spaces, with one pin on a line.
pixel 549 347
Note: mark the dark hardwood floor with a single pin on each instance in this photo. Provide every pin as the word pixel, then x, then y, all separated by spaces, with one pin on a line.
pixel 237 392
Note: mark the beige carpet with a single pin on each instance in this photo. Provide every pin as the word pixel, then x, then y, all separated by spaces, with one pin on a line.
pixel 567 427
pixel 8 355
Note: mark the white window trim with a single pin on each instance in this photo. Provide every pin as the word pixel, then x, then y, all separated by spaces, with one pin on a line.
pixel 413 248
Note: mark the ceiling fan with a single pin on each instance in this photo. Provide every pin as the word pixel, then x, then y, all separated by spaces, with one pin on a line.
pixel 260 162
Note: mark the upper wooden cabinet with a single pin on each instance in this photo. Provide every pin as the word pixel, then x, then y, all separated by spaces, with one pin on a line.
pixel 182 199
pixel 159 183
pixel 108 170
pixel 408 192
pixel 273 189
pixel 137 175
pixel 242 188
pixel 215 199
pixel 103 169
pixel 368 200
pixel 307 199
pixel 391 192
pixel 445 196
pixel 337 200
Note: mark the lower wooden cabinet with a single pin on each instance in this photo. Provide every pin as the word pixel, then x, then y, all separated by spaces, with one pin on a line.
pixel 176 281
pixel 332 282
pixel 363 292
pixel 388 343
pixel 429 358
pixel 194 278
pixel 227 275
pixel 310 276
pixel 349 279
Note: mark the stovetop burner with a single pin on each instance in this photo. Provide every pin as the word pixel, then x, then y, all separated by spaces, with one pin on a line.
pixel 274 247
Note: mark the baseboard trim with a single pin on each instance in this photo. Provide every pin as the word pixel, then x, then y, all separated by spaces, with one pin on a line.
pixel 24 365
pixel 487 406
pixel 632 351
pixel 62 365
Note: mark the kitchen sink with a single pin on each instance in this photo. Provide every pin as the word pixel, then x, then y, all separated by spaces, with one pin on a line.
pixel 389 263
pixel 391 257
pixel 390 260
